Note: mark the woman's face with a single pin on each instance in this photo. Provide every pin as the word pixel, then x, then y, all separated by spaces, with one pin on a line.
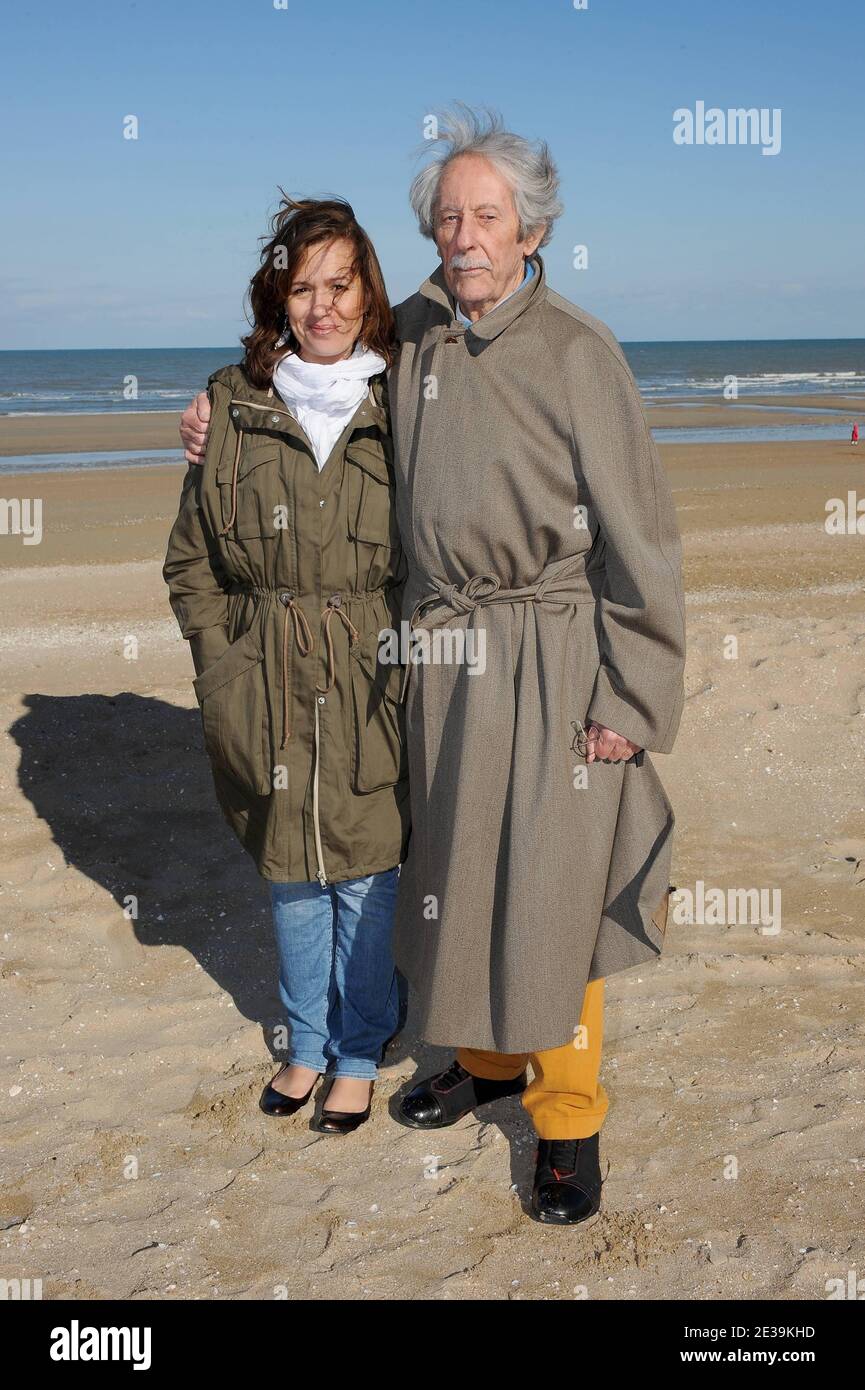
pixel 325 303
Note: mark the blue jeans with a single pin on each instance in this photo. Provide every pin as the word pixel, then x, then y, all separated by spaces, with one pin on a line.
pixel 337 979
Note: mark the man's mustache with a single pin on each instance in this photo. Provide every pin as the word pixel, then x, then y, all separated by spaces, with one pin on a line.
pixel 469 263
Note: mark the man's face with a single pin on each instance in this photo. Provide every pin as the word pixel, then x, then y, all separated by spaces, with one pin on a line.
pixel 476 232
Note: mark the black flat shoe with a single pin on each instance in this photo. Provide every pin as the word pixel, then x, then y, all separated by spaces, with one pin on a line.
pixel 344 1121
pixel 442 1100
pixel 273 1102
pixel 568 1181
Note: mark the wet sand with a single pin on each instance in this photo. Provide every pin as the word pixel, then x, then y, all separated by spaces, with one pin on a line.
pixel 53 434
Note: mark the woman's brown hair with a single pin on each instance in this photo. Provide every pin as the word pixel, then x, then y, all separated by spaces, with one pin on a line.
pixel 296 227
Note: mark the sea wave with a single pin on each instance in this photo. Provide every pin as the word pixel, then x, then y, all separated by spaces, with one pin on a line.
pixel 754 380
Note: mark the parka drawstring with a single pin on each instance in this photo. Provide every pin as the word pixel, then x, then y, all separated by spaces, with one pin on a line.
pixel 334 605
pixel 230 522
pixel 294 623
pixel 304 639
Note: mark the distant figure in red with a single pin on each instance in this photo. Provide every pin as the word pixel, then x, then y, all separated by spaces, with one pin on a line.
pixel 854 438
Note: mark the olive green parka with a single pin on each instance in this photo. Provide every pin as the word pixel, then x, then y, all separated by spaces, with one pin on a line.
pixel 281 577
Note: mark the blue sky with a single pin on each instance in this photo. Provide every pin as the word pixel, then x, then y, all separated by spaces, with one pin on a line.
pixel 150 243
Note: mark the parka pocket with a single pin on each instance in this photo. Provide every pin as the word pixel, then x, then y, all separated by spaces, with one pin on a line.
pixel 233 701
pixel 254 494
pixel 370 486
pixel 378 753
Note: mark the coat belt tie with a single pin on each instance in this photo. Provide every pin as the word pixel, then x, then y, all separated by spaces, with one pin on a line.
pixel 563 582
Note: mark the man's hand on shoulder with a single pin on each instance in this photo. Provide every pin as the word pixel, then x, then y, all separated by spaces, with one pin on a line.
pixel 194 424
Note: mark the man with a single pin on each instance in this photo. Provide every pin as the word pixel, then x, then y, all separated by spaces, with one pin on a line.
pixel 536 518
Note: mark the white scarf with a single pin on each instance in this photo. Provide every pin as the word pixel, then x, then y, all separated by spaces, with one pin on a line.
pixel 324 396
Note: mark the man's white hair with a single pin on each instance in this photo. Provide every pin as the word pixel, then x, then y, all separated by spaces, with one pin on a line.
pixel 528 168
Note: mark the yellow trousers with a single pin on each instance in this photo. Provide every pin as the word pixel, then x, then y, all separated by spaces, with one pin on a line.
pixel 564 1098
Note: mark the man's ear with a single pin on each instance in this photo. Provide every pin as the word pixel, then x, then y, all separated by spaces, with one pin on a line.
pixel 534 239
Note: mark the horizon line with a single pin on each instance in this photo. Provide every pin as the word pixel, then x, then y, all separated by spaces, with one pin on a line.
pixel 218 347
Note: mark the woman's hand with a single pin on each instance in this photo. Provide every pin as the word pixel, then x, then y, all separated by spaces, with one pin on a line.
pixel 194 424
pixel 603 744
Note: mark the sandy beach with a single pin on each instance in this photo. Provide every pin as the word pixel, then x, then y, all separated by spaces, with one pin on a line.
pixel 139 970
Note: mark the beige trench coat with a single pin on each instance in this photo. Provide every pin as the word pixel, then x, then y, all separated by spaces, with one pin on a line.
pixel 533 508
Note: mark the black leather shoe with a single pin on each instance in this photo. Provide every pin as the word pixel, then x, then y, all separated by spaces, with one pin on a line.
pixel 273 1102
pixel 442 1100
pixel 568 1180
pixel 344 1121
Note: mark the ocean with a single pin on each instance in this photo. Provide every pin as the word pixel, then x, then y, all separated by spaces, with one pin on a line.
pixel 135 379
pixel 106 381
pixel 776 366
pixel 120 381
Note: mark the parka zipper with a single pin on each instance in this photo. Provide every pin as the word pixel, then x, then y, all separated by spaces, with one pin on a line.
pixel 321 875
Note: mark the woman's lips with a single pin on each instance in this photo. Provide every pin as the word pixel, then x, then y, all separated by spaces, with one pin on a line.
pixel 322 328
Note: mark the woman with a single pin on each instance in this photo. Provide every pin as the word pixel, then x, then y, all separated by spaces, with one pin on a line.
pixel 283 565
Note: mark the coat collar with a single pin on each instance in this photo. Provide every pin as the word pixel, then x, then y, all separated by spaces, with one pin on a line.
pixel 251 408
pixel 497 320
